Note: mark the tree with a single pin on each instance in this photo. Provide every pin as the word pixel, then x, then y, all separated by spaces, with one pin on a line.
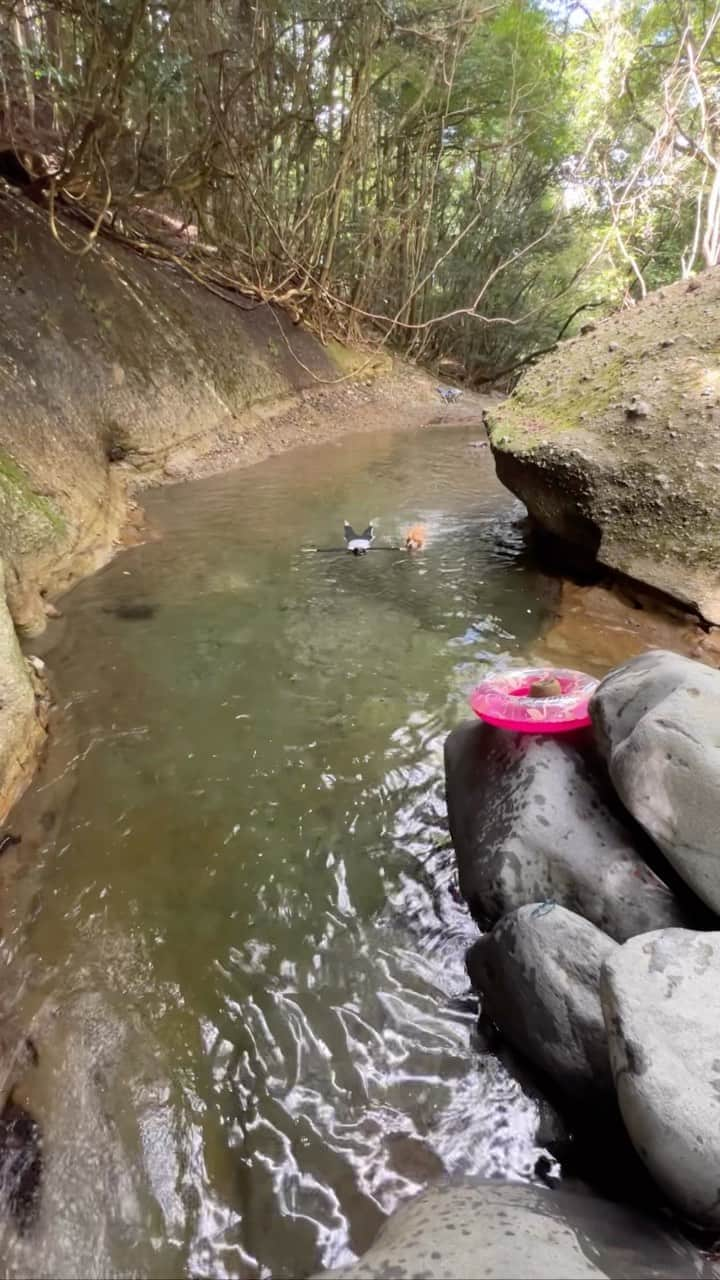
pixel 458 178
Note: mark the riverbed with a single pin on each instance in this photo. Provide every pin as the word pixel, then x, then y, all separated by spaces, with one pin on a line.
pixel 232 928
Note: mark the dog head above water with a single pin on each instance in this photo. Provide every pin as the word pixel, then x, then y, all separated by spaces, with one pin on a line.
pixel 415 538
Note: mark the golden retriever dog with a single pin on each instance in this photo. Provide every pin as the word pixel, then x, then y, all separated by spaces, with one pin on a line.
pixel 415 538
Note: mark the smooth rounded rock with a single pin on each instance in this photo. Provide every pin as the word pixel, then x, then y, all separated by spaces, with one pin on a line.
pixel 504 1231
pixel 656 720
pixel 538 974
pixel 534 818
pixel 661 1001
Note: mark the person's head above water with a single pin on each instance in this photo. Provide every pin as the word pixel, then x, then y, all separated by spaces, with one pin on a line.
pixel 358 544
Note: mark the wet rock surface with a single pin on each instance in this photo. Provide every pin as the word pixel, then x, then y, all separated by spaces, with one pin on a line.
pixel 538 976
pixel 501 1231
pixel 534 818
pixel 21 1164
pixel 656 722
pixel 661 999
pixel 22 711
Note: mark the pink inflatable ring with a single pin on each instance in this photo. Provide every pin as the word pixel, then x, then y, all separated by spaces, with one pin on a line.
pixel 504 699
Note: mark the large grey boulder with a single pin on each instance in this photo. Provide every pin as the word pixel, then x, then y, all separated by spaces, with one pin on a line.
pixel 657 722
pixel 612 441
pixel 661 1000
pixel 503 1231
pixel 534 818
pixel 538 974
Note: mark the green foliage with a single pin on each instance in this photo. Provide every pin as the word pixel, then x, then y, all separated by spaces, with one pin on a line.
pixel 463 179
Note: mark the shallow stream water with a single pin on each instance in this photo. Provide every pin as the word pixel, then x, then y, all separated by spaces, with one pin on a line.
pixel 238 946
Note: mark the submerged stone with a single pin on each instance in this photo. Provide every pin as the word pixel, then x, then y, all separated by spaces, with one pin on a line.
pixel 134 611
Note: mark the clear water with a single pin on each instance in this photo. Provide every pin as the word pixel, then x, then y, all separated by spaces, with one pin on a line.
pixel 231 927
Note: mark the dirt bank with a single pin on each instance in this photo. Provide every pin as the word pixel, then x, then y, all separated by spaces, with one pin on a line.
pixel 118 373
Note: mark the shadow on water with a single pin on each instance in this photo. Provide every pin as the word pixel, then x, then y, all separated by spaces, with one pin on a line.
pixel 131 611
pixel 232 928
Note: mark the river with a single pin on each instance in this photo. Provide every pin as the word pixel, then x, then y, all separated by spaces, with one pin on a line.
pixel 232 928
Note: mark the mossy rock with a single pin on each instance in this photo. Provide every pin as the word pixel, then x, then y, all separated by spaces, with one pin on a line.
pixel 28 520
pixel 638 491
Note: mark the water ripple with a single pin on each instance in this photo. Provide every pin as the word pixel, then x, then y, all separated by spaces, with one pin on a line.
pixel 240 946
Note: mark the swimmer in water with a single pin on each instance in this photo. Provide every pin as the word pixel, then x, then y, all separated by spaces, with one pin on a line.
pixel 358 545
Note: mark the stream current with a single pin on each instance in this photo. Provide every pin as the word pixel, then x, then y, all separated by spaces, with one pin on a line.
pixel 232 928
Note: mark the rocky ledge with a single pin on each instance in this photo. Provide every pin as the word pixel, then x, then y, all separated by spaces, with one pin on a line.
pixel 613 443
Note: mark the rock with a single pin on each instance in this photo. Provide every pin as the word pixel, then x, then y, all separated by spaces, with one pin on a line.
pixel 552 1130
pixel 596 501
pixel 180 464
pixel 637 408
pixel 589 327
pixel 538 975
pixel 132 610
pixel 27 608
pixel 501 1230
pixel 661 1000
pixel 534 818
pixel 546 1170
pixel 413 1159
pixel 22 735
pixel 18 1054
pixel 21 1165
pixel 656 722
pixel 548 688
pixel 8 839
